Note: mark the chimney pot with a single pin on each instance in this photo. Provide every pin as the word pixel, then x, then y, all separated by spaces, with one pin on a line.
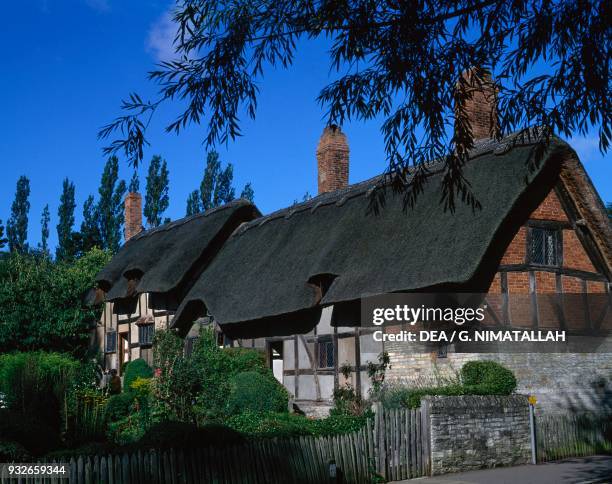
pixel 332 159
pixel 479 102
pixel 133 215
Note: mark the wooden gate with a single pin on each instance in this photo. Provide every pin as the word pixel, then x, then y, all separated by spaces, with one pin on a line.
pixel 401 439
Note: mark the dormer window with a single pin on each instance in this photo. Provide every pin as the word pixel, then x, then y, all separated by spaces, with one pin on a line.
pixel 545 247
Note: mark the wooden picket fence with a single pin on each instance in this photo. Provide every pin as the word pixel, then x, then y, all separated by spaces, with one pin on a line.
pixel 561 436
pixel 391 447
pixel 401 439
pixel 286 460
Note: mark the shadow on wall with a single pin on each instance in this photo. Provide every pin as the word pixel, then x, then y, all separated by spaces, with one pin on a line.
pixel 594 398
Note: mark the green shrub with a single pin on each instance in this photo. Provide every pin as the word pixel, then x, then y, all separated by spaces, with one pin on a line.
pixel 119 406
pixel 37 389
pixel 245 359
pixel 270 424
pixel 135 369
pixel 42 302
pixel 180 434
pixel 477 378
pixel 487 378
pixel 256 392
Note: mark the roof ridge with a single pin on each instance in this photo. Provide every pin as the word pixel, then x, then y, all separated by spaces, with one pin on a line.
pixel 182 221
pixel 481 147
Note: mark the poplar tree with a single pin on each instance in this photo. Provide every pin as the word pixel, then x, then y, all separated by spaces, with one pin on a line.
pixel 17 226
pixel 109 212
pixel 156 196
pixel 65 215
pixel 89 235
pixel 3 240
pixel 216 188
pixel 193 203
pixel 248 193
pixel 44 229
pixel 209 181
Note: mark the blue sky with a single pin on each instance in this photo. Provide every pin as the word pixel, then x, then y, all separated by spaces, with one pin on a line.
pixel 66 64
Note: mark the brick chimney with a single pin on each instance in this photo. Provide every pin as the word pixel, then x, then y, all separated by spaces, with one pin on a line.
pixel 480 103
pixel 133 215
pixel 332 159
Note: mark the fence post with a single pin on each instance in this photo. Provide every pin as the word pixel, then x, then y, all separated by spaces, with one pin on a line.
pixel 532 429
pixel 426 437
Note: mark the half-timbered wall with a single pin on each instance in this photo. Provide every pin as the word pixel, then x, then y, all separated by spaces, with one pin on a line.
pixel 559 380
pixel 127 346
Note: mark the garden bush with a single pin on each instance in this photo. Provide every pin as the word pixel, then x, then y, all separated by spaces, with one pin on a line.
pixel 476 378
pixel 256 392
pixel 271 424
pixel 135 369
pixel 42 302
pixel 119 406
pixel 487 378
pixel 37 387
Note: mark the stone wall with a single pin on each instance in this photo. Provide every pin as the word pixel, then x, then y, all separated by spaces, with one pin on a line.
pixel 561 382
pixel 474 432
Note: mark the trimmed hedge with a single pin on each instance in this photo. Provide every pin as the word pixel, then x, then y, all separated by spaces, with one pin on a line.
pixel 134 369
pixel 477 378
pixel 487 378
pixel 256 392
pixel 271 424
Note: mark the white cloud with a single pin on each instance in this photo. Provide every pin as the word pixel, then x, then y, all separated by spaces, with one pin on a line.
pixel 161 37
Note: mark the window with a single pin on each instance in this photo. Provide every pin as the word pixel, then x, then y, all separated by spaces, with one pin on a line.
pixel 443 351
pixel 145 334
pixel 544 247
pixel 111 342
pixel 326 354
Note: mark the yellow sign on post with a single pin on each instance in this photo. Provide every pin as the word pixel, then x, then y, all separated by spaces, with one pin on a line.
pixel 532 400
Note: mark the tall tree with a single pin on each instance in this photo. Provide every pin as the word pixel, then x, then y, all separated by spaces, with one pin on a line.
pixel 156 197
pixel 44 229
pixel 3 240
pixel 224 191
pixel 216 187
pixel 65 216
pixel 89 235
pixel 248 193
pixel 208 187
pixel 398 61
pixel 193 203
pixel 17 226
pixel 109 210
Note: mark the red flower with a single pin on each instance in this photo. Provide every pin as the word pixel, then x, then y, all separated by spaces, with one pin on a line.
pixel 158 372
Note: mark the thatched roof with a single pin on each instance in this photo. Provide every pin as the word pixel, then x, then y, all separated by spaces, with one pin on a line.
pixel 163 259
pixel 282 268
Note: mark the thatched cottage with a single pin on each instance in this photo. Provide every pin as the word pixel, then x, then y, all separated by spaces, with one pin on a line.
pixel 290 282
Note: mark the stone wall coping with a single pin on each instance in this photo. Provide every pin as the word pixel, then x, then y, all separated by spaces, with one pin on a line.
pixel 440 403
